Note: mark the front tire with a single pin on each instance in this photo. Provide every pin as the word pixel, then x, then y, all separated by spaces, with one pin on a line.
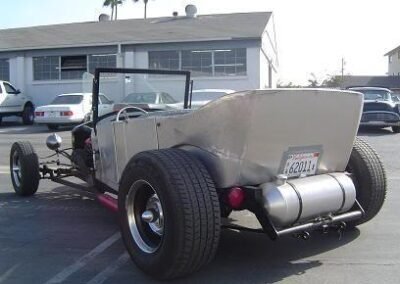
pixel 369 177
pixel 28 115
pixel 24 167
pixel 169 213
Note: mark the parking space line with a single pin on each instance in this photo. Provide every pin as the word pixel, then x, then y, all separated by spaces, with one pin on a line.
pixel 68 271
pixel 7 274
pixel 106 273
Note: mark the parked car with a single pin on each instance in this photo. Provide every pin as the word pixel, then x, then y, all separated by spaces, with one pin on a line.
pixel 381 108
pixel 176 173
pixel 13 102
pixel 203 96
pixel 150 100
pixel 69 109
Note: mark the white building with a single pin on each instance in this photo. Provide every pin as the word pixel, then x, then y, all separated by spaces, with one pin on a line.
pixel 394 62
pixel 235 51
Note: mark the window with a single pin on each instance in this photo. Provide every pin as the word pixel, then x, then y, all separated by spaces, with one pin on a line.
pixel 398 54
pixel 46 68
pixel 390 58
pixel 104 100
pixel 104 61
pixel 69 67
pixel 67 100
pixel 199 62
pixel 4 70
pixel 230 62
pixel 164 60
pixel 222 62
pixel 10 89
pixel 73 67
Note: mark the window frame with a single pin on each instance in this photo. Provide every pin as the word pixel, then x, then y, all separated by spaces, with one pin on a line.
pixel 213 73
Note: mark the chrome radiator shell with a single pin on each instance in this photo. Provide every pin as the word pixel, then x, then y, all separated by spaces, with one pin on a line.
pixel 303 199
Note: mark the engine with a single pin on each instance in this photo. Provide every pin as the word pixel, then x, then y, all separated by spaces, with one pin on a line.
pixel 297 200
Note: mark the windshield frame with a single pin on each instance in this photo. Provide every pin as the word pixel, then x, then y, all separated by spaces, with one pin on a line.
pixel 99 71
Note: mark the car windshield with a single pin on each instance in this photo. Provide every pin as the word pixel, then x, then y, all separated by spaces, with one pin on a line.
pixel 148 89
pixel 380 95
pixel 67 100
pixel 206 96
pixel 141 98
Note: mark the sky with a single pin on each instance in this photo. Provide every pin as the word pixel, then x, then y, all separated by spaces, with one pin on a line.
pixel 312 35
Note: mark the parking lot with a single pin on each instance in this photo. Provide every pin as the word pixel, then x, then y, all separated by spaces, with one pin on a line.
pixel 63 236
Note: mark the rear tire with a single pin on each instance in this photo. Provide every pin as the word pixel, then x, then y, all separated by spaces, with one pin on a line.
pixel 24 167
pixel 52 126
pixel 1 120
pixel 396 129
pixel 369 177
pixel 187 199
pixel 28 115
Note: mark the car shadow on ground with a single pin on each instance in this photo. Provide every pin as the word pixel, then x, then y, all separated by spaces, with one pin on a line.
pixel 242 257
pixel 11 127
pixel 365 131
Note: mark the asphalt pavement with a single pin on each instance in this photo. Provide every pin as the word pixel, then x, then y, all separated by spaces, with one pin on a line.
pixel 62 235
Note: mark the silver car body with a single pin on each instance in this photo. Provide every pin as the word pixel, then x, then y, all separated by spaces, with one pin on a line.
pixel 244 138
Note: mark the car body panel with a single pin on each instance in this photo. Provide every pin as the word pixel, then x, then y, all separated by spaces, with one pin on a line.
pixel 52 113
pixel 379 112
pixel 11 101
pixel 243 138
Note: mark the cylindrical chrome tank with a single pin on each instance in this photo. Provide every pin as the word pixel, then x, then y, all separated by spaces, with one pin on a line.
pixel 302 199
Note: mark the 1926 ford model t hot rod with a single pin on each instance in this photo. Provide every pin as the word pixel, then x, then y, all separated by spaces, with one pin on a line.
pixel 290 156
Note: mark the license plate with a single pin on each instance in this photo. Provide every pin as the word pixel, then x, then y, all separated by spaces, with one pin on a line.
pixel 52 114
pixel 301 164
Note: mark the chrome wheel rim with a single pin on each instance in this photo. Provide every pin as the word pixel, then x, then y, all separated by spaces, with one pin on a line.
pixel 145 216
pixel 16 169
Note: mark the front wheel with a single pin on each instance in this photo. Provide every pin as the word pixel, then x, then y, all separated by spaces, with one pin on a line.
pixel 28 115
pixel 24 167
pixel 169 213
pixel 369 178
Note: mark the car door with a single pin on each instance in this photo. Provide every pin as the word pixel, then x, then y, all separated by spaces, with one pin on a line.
pixel 13 100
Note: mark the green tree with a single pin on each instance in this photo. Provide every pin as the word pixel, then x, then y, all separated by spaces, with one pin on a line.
pixel 332 81
pixel 114 7
pixel 145 6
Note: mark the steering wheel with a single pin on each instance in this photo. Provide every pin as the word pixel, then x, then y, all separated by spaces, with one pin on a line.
pixel 124 110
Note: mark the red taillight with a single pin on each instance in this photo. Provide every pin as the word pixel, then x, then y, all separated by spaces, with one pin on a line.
pixel 66 113
pixel 39 113
pixel 236 197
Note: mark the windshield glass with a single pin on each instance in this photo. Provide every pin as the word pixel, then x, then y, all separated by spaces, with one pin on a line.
pixel 206 96
pixel 67 100
pixel 151 92
pixel 380 95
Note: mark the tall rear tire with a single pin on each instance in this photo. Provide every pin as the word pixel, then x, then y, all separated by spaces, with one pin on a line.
pixel 28 115
pixel 369 177
pixel 169 213
pixel 24 168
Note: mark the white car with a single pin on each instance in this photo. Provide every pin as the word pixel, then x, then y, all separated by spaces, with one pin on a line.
pixel 13 102
pixel 69 109
pixel 204 96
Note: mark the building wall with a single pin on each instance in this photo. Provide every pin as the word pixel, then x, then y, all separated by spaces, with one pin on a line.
pixel 394 66
pixel 258 67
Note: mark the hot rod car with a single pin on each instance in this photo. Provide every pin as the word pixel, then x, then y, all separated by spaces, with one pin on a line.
pixel 290 156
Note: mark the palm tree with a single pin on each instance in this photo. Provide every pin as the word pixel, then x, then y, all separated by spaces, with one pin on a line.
pixel 145 6
pixel 114 7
